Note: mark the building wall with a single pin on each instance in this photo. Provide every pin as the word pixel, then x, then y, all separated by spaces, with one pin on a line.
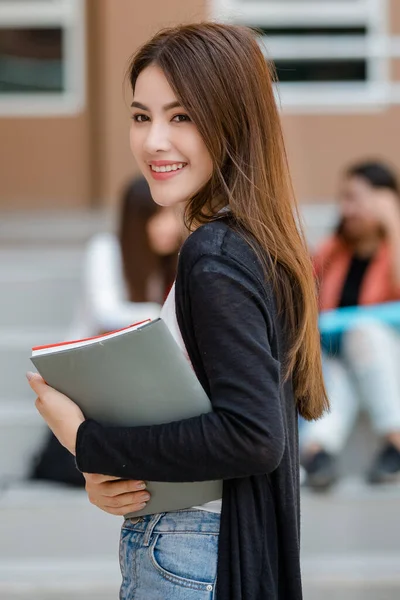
pixel 44 162
pixel 84 160
pixel 319 146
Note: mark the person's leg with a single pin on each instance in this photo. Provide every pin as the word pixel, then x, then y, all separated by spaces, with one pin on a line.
pixel 322 440
pixel 172 556
pixel 373 351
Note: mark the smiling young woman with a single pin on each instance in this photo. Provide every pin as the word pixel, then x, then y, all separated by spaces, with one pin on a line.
pixel 207 136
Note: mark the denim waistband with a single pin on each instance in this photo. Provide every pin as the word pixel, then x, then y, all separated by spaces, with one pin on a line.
pixel 194 521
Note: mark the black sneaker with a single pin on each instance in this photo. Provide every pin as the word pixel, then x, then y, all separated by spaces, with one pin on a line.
pixel 321 470
pixel 386 466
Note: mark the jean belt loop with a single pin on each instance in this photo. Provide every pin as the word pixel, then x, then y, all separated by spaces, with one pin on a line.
pixel 150 528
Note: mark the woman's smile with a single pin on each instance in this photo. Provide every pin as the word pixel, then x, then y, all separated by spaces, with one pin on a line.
pixel 163 169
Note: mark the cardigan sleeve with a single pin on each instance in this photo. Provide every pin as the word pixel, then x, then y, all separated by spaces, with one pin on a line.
pixel 244 435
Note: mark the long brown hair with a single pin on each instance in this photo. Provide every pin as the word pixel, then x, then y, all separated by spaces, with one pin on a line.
pixel 139 260
pixel 219 74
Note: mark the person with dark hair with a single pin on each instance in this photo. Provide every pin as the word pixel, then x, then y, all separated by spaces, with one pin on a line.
pixel 126 278
pixel 358 266
pixel 207 136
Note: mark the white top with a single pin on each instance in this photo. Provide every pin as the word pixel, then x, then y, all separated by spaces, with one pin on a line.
pixel 168 315
pixel 103 303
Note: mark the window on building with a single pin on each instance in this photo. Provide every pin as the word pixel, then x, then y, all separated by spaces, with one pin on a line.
pixel 327 53
pixel 41 57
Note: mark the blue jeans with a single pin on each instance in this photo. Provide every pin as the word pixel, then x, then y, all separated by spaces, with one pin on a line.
pixel 170 556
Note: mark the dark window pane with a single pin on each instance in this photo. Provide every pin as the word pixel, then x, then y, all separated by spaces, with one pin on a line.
pixel 31 60
pixel 311 31
pixel 318 71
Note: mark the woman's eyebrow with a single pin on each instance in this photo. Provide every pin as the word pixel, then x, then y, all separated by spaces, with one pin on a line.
pixel 169 106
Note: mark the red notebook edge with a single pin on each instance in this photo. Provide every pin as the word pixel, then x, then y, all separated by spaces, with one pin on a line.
pixel 95 337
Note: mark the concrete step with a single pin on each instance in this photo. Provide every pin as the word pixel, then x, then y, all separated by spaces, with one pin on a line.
pixel 55 545
pixel 43 521
pixel 44 260
pixel 35 300
pixel 15 350
pixel 49 579
pixel 22 435
pixel 352 577
pixel 55 227
pixel 354 518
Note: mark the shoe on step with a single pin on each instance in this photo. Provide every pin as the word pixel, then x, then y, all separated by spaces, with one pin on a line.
pixel 386 466
pixel 321 469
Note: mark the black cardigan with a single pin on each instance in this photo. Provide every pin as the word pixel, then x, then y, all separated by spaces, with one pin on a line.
pixel 225 310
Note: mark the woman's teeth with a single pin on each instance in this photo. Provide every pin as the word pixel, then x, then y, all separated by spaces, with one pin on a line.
pixel 167 168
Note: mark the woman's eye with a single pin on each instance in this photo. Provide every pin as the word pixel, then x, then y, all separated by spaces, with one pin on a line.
pixel 181 118
pixel 140 118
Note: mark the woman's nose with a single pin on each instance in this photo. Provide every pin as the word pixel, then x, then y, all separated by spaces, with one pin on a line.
pixel 157 139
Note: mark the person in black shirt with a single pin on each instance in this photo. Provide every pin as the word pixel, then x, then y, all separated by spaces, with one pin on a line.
pixel 207 136
pixel 359 266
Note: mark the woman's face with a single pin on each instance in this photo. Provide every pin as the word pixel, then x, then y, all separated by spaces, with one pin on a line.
pixel 165 143
pixel 356 207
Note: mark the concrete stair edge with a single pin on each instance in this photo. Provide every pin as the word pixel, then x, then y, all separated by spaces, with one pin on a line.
pixel 352 568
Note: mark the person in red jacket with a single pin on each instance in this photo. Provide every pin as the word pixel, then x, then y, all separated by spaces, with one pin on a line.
pixel 357 266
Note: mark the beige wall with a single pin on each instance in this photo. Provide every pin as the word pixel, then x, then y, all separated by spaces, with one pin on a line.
pixel 44 163
pixel 394 16
pixel 320 145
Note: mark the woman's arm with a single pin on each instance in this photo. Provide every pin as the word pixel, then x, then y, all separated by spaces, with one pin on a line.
pixel 244 435
pixel 386 208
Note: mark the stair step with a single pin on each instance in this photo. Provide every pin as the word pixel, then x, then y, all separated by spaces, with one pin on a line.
pixel 22 434
pixel 51 521
pixel 49 579
pixel 54 227
pixel 31 262
pixel 15 351
pixel 28 301
pixel 351 577
pixel 352 518
pixel 75 546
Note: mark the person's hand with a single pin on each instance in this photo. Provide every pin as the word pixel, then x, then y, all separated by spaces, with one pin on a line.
pixel 114 495
pixel 385 206
pixel 61 414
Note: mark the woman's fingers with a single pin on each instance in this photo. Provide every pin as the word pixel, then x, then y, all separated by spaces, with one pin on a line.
pixel 125 500
pixel 122 504
pixel 111 486
pixel 116 496
pixel 116 488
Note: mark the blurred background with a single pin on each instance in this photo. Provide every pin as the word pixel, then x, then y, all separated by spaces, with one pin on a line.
pixel 67 211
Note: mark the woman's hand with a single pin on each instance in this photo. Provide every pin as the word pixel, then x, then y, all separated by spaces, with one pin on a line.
pixel 114 495
pixel 61 414
pixel 385 205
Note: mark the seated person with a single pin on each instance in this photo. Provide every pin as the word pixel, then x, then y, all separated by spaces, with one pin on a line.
pixel 360 265
pixel 126 279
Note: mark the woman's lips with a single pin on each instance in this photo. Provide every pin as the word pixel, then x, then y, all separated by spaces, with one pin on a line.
pixel 161 176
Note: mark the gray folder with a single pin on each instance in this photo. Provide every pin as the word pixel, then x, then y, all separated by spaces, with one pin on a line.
pixel 138 377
